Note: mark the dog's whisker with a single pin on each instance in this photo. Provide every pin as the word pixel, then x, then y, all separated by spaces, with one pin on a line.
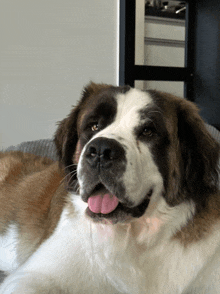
pixel 69 180
pixel 71 165
pixel 78 190
pixel 73 173
pixel 76 187
pixel 85 137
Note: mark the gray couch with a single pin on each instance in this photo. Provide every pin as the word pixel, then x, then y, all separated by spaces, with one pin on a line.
pixel 44 147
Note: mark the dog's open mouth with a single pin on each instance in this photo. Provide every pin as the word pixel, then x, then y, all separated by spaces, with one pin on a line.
pixel 103 205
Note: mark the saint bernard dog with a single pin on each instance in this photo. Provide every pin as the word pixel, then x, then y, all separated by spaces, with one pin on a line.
pixel 132 205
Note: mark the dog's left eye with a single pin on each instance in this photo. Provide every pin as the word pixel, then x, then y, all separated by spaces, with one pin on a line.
pixel 148 132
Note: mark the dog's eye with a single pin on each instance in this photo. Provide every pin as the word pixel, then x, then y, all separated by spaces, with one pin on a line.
pixel 148 132
pixel 95 127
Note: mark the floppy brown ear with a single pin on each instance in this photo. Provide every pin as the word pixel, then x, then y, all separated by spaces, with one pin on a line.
pixel 66 139
pixel 66 136
pixel 200 154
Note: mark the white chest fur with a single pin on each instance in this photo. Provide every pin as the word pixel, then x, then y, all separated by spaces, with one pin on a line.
pixel 8 245
pixel 83 257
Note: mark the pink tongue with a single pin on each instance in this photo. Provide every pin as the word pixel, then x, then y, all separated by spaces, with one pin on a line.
pixel 103 203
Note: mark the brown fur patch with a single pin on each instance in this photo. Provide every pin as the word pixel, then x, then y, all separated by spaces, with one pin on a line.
pixel 193 164
pixel 202 224
pixel 32 195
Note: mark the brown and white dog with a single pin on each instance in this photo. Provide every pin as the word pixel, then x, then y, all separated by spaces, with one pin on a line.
pixel 133 206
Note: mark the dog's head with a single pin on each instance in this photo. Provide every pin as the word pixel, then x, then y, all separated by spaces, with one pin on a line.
pixel 124 147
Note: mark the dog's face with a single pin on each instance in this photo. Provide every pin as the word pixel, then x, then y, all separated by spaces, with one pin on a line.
pixel 125 147
pixel 122 136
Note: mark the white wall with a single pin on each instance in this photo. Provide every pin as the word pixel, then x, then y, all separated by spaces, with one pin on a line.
pixel 49 49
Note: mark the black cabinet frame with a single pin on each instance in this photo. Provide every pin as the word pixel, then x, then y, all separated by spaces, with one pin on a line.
pixel 129 72
pixel 201 74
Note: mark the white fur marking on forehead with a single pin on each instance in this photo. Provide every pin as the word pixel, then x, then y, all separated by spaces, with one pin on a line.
pixel 131 103
pixel 127 116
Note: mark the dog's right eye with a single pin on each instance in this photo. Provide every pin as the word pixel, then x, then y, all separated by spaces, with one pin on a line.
pixel 95 127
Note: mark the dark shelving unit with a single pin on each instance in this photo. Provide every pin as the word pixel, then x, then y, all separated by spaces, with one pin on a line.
pixel 201 74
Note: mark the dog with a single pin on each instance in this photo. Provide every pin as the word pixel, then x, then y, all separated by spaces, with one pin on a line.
pixel 132 205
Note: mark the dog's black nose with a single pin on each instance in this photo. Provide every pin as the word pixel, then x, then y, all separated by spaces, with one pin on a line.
pixel 104 152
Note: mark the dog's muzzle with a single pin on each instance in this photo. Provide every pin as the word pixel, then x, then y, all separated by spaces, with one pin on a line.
pixel 102 169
